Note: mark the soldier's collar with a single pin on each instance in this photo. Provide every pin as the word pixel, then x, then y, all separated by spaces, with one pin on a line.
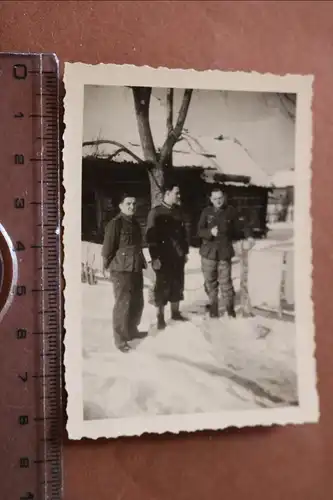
pixel 167 204
pixel 219 209
pixel 127 217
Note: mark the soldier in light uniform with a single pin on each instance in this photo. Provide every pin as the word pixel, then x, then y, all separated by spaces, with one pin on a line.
pixel 219 229
pixel 123 257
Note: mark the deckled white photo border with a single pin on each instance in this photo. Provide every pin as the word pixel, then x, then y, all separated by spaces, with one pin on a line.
pixel 77 75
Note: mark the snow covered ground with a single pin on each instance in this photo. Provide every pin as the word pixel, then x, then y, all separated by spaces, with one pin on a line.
pixel 281 225
pixel 199 366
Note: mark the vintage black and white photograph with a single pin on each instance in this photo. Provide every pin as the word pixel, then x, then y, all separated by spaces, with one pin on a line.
pixel 187 243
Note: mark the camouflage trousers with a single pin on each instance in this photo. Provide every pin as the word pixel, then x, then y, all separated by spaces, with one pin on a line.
pixel 217 276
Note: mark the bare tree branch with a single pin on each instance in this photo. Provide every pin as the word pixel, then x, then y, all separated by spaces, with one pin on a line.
pixel 169 122
pixel 291 113
pixel 142 97
pixel 116 153
pixel 288 104
pixel 169 100
pixel 175 134
pixel 183 112
pixel 292 98
pixel 114 143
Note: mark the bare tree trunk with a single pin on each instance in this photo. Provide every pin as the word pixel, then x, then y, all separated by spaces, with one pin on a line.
pixel 156 180
pixel 157 163
pixel 142 97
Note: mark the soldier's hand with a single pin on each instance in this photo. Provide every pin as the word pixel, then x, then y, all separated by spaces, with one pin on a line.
pixel 252 242
pixel 238 248
pixel 156 264
pixel 214 231
pixel 105 267
pixel 248 244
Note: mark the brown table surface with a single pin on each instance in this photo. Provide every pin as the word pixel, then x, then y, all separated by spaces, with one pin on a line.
pixel 289 463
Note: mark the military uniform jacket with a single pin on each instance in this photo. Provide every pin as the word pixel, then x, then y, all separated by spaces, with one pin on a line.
pixel 166 234
pixel 122 247
pixel 229 231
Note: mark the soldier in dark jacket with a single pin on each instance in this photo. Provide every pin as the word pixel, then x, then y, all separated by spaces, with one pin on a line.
pixel 168 247
pixel 122 254
pixel 219 228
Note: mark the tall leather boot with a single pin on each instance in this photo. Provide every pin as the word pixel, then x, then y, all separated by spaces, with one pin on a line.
pixel 161 324
pixel 175 313
pixel 214 310
pixel 231 312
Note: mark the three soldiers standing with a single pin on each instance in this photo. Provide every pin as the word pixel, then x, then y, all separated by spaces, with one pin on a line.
pixel 168 246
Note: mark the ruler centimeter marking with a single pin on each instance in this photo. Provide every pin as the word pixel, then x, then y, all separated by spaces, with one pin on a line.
pixel 31 329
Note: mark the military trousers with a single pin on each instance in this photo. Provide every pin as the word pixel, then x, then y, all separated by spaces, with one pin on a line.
pixel 169 283
pixel 128 306
pixel 217 276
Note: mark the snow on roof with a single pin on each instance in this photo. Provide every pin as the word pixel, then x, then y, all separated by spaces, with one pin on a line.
pixel 283 178
pixel 221 156
pixel 229 157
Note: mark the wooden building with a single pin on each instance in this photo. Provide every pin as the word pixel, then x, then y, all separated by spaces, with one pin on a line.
pixel 281 198
pixel 103 180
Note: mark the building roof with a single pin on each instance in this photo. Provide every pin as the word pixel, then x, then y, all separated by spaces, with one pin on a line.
pixel 183 154
pixel 227 157
pixel 283 178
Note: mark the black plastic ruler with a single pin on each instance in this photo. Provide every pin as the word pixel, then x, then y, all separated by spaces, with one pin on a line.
pixel 30 278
